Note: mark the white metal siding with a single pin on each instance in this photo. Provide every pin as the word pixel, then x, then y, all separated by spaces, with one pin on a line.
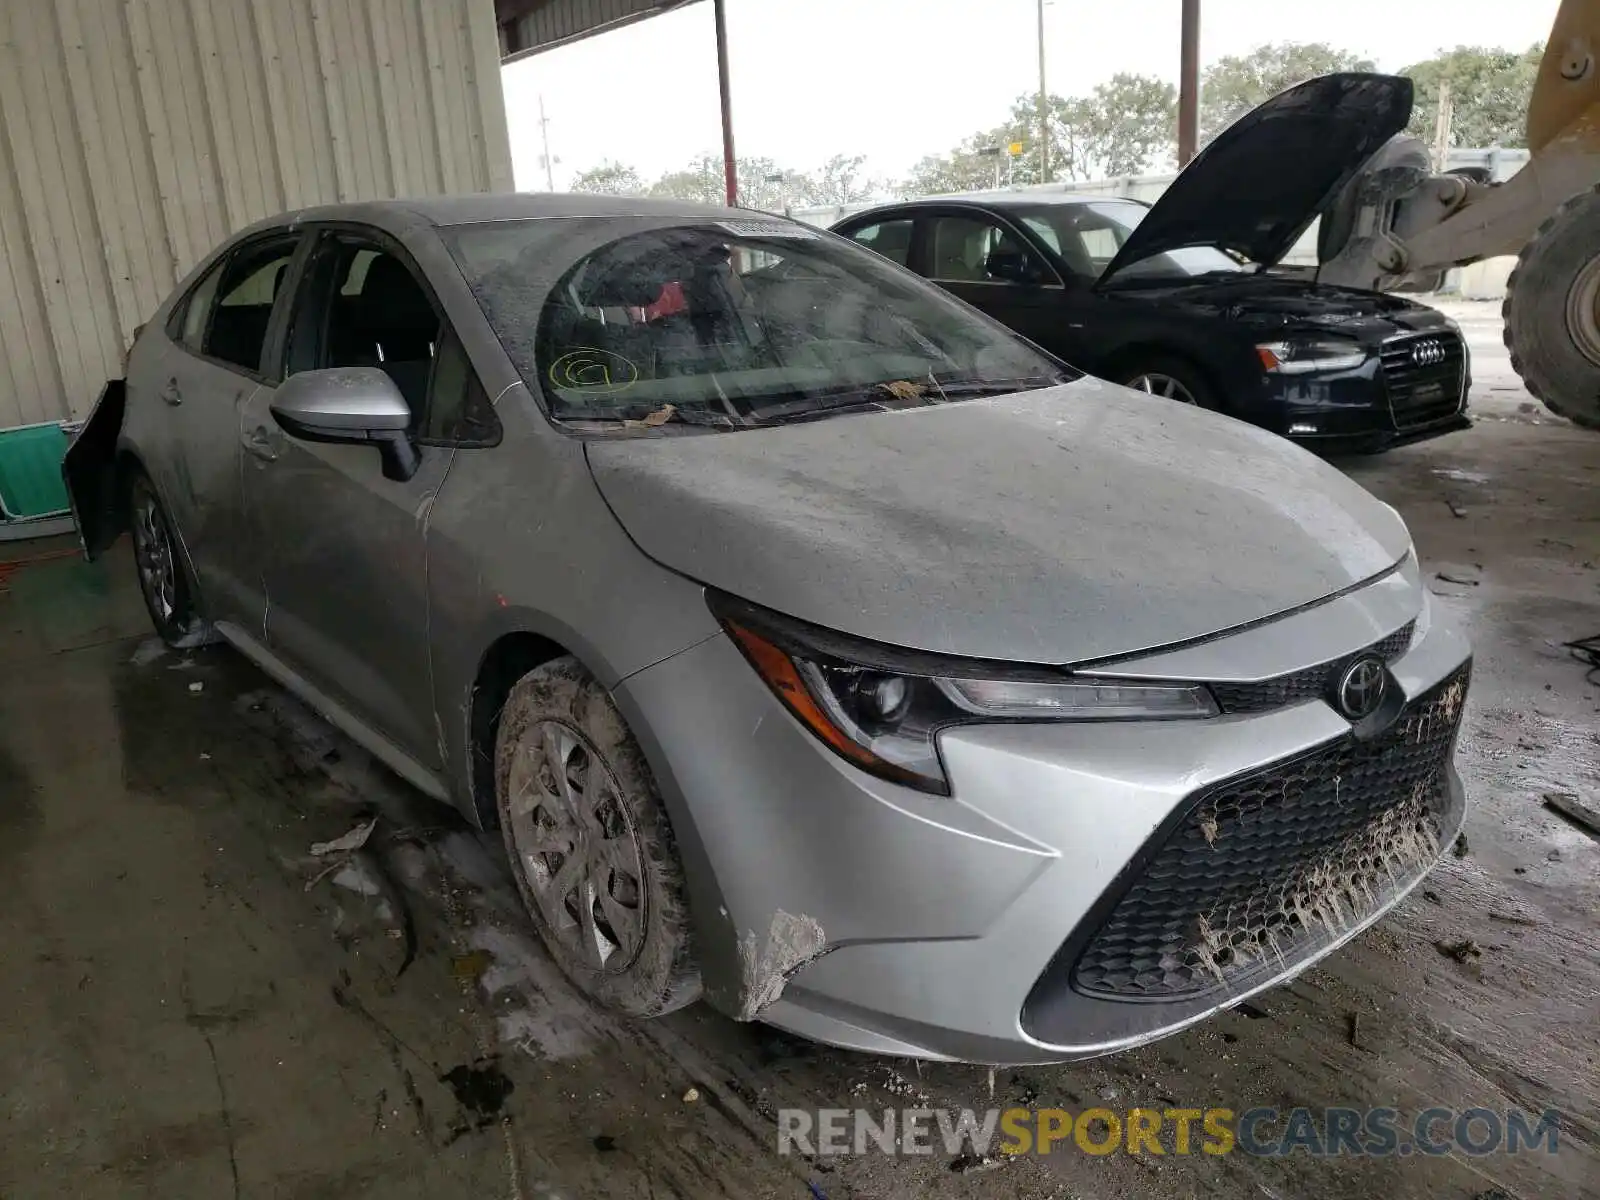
pixel 137 134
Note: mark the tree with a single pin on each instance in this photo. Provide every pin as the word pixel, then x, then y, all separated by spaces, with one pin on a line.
pixel 700 181
pixel 840 181
pixel 1124 127
pixel 610 179
pixel 1231 87
pixel 1489 93
pixel 762 184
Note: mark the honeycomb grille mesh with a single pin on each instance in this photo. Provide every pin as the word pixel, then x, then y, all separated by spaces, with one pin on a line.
pixel 1264 868
pixel 1308 684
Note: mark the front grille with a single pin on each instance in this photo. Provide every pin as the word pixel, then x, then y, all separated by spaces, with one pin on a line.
pixel 1423 374
pixel 1262 869
pixel 1306 684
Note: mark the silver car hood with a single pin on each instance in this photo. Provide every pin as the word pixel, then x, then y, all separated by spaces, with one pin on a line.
pixel 1052 526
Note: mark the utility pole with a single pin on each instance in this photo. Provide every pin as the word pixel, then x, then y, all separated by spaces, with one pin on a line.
pixel 730 169
pixel 1441 128
pixel 1189 84
pixel 1044 109
pixel 544 132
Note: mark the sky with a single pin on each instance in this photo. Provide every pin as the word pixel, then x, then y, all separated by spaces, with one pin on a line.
pixel 898 79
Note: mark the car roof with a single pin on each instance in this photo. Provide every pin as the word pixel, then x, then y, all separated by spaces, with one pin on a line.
pixel 1001 201
pixel 399 216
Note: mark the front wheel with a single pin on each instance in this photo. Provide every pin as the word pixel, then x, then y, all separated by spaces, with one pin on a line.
pixel 1552 312
pixel 590 845
pixel 1169 377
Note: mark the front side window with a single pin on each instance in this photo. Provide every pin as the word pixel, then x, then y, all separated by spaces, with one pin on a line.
pixel 363 307
pixel 731 324
pixel 1088 236
pixel 978 250
pixel 246 290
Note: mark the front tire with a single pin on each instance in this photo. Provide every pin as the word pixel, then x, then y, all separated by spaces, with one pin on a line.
pixel 1552 312
pixel 163 581
pixel 590 845
pixel 1170 377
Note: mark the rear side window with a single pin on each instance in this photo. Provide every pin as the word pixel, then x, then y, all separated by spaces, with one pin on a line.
pixel 892 239
pixel 226 315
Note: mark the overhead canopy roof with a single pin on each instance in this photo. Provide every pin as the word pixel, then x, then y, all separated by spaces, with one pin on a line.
pixel 529 26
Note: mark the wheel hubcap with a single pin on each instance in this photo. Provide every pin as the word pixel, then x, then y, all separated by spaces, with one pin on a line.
pixel 577 846
pixel 152 552
pixel 1583 311
pixel 1162 385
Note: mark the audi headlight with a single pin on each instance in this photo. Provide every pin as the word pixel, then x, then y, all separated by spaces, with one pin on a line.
pixel 1300 356
pixel 882 708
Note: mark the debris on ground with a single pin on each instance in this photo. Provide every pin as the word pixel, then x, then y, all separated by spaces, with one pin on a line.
pixel 692 1095
pixel 1455 509
pixel 1352 1033
pixel 197 686
pixel 471 965
pixel 1567 805
pixel 1461 577
pixel 969 1163
pixel 1463 951
pixel 1431 896
pixel 346 843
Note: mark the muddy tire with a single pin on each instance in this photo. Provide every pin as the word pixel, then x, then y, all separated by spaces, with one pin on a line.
pixel 1168 376
pixel 163 579
pixel 1552 312
pixel 590 844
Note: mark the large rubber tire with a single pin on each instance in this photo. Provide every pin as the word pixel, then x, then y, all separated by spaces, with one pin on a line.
pixel 609 814
pixel 1556 269
pixel 1189 377
pixel 163 578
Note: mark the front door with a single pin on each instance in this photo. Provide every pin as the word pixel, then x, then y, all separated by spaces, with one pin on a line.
pixel 989 265
pixel 345 548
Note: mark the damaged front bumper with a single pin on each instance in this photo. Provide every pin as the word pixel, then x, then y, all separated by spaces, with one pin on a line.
pixel 1087 887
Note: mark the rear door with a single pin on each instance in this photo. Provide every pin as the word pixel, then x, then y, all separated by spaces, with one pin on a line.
pixel 344 547
pixel 210 367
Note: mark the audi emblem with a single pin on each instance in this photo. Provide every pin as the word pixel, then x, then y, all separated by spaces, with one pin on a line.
pixel 1428 354
pixel 1360 689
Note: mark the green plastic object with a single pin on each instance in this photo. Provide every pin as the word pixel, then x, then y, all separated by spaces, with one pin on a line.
pixel 30 472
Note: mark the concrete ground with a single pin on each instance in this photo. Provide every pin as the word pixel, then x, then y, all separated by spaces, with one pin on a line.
pixel 194 1005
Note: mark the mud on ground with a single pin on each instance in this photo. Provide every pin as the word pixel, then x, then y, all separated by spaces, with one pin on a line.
pixel 195 1005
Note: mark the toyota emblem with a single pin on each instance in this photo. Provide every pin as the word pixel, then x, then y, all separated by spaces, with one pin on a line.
pixel 1427 354
pixel 1360 688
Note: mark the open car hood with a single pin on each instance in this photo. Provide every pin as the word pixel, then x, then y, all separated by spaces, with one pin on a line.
pixel 1256 187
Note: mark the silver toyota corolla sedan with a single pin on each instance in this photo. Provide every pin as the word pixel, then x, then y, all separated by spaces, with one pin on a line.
pixel 818 646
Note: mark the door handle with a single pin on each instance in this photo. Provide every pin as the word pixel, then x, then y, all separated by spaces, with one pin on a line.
pixel 259 443
pixel 171 394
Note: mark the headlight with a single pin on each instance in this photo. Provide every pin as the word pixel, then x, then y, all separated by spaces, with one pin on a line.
pixel 1299 356
pixel 882 708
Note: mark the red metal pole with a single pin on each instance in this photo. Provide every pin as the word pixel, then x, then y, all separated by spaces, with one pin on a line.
pixel 1189 85
pixel 730 169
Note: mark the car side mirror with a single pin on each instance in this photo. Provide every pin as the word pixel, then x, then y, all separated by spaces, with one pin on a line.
pixel 1011 266
pixel 350 404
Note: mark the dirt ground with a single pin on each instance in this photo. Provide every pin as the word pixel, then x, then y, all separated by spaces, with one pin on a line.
pixel 195 1005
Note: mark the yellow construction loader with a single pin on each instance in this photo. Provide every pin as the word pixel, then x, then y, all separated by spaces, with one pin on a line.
pixel 1398 226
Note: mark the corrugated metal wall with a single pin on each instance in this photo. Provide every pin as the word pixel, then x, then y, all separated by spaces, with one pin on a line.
pixel 136 134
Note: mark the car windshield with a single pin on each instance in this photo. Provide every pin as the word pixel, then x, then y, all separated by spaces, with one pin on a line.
pixel 732 323
pixel 1087 237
